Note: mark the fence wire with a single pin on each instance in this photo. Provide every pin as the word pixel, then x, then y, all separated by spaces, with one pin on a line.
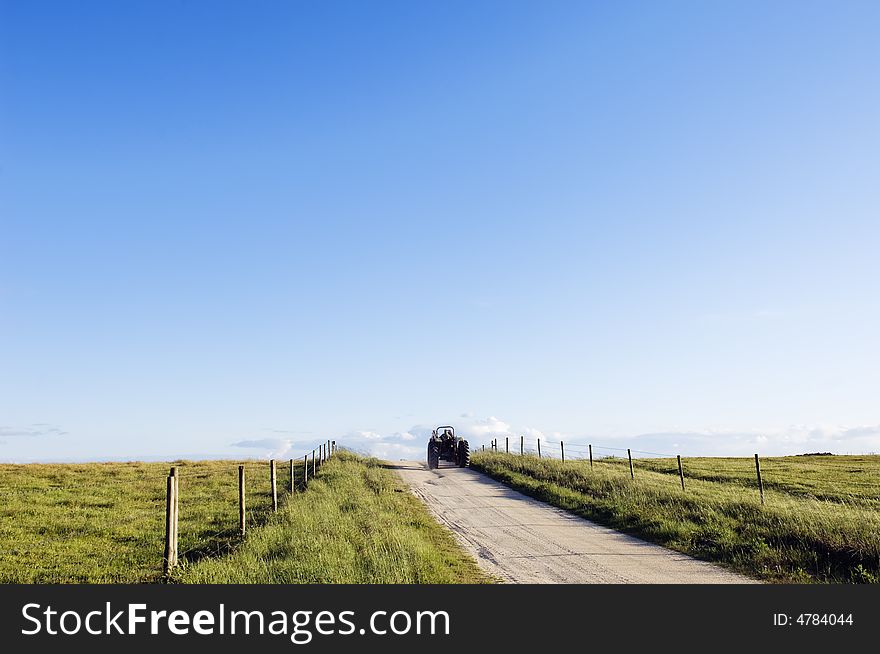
pixel 120 510
pixel 858 487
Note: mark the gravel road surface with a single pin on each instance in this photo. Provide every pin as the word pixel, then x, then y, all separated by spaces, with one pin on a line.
pixel 521 540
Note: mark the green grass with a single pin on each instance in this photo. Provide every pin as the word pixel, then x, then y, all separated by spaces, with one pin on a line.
pixel 358 523
pixel 104 523
pixel 820 523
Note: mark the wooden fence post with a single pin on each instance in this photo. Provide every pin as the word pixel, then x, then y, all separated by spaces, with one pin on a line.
pixel 507 444
pixel 521 445
pixel 680 471
pixel 539 448
pixel 169 526
pixel 591 455
pixel 292 478
pixel 305 471
pixel 631 473
pixel 273 479
pixel 241 508
pixel 314 469
pixel 562 449
pixel 176 474
pixel 760 483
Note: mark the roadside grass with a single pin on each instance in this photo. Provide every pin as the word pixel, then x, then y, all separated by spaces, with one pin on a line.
pixel 356 523
pixel 820 523
pixel 104 522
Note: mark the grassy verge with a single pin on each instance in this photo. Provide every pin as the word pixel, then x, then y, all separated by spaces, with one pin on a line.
pixel 104 523
pixel 821 521
pixel 357 523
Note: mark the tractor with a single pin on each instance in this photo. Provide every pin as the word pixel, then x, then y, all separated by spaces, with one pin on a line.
pixel 445 446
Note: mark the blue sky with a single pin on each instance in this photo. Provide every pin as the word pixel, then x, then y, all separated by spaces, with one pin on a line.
pixel 235 229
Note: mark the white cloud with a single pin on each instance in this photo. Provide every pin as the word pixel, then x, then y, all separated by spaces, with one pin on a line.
pixel 393 451
pixel 480 428
pixel 410 443
pixel 32 431
pixel 369 435
pixel 272 448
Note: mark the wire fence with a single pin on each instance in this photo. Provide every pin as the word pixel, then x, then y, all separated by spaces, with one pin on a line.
pixel 172 554
pixel 851 480
pixel 133 520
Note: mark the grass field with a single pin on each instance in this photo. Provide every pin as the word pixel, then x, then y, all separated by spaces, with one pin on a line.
pixel 104 523
pixel 820 523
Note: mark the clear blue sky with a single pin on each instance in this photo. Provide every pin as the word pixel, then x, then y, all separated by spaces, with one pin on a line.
pixel 274 222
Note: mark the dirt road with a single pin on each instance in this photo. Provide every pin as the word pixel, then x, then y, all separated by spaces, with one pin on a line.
pixel 521 540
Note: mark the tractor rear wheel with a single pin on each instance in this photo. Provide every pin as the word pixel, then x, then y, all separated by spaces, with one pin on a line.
pixel 464 454
pixel 433 456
